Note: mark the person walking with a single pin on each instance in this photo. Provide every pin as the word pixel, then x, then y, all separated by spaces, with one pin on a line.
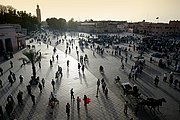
pixel 171 78
pixel 126 107
pixel 39 64
pixel 106 92
pixel 14 77
pixel 126 59
pixel 50 63
pixel 1 71
pixel 129 76
pixel 19 97
pixel 33 99
pixel 67 63
pixel 82 69
pixel 29 89
pixel 40 87
pixel 9 109
pixel 43 82
pixel 53 58
pixel 21 78
pixel 1 112
pixel 53 84
pixel 122 66
pixel 78 103
pixel 79 66
pixel 122 59
pixel 130 56
pixel 57 57
pixel 72 94
pixel 77 52
pixel 10 80
pixel 11 64
pixel 165 77
pixel 103 86
pixel 1 85
pixel 23 63
pixel 102 80
pixel 68 109
pixel 156 81
pixel 85 100
pixel 98 84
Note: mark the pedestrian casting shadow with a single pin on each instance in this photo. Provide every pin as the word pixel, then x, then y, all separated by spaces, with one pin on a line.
pixel 101 108
pixel 18 70
pixel 146 92
pixel 7 70
pixel 85 81
pixel 48 71
pixel 88 117
pixel 82 49
pixel 67 72
pixel 80 78
pixel 109 106
pixel 86 63
pixel 153 71
pixel 148 80
pixel 20 108
pixel 33 109
pixel 4 90
pixel 102 56
pixel 51 114
pixel 15 89
pixel 72 109
pixel 169 94
pixel 58 84
pixel 105 78
pixel 94 54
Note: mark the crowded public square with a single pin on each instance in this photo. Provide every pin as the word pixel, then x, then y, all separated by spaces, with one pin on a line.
pixel 80 78
pixel 89 60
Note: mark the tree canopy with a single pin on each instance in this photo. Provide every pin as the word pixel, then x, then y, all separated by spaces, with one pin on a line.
pixel 9 15
pixel 57 24
pixel 72 25
pixel 61 24
pixel 32 57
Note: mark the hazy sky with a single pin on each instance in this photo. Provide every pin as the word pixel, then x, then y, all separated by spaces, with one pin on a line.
pixel 130 10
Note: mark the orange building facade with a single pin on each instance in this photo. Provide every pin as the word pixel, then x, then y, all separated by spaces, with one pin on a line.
pixel 157 29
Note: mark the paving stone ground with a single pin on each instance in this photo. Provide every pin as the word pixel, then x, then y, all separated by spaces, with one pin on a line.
pixel 100 108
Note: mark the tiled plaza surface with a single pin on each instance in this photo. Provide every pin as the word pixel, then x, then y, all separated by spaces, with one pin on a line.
pixel 100 108
pixel 111 63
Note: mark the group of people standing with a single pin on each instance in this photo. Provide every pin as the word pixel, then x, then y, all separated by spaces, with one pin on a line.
pixel 78 101
pixel 172 81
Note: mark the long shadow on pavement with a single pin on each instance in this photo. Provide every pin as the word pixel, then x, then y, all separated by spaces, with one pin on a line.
pixel 109 106
pixel 4 90
pixel 20 108
pixel 169 94
pixel 33 109
pixel 105 78
pixel 84 78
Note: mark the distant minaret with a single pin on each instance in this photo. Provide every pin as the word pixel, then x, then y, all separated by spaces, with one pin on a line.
pixel 38 13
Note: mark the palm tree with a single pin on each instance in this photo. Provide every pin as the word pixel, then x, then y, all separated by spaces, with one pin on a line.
pixel 32 57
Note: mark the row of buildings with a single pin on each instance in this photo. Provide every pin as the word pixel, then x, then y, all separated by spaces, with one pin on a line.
pixel 103 26
pixel 12 36
pixel 156 29
pixel 147 28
